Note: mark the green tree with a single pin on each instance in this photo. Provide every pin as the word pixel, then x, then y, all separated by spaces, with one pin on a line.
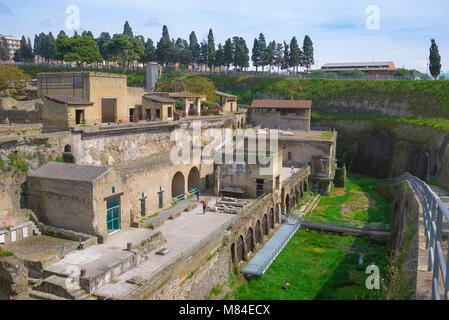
pixel 241 53
pixel 270 54
pixel 164 48
pixel 11 75
pixel 101 41
pixel 25 53
pixel 4 50
pixel 307 53
pixel 278 56
pixel 210 50
pixel 255 56
pixel 286 57
pixel 204 52
pixel 150 52
pixel 228 58
pixel 128 30
pixel 77 49
pixel 434 60
pixel 262 51
pixel 219 56
pixel 194 48
pixel 125 49
pixel 295 54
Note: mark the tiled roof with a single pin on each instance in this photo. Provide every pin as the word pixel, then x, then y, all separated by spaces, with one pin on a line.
pixel 224 94
pixel 158 99
pixel 69 171
pixel 282 104
pixel 70 100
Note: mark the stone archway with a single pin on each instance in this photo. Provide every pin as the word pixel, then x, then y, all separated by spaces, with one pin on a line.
pixel 193 181
pixel 249 240
pixel 177 184
pixel 277 213
pixel 257 232
pixel 265 225
pixel 271 218
pixel 287 204
pixel 239 249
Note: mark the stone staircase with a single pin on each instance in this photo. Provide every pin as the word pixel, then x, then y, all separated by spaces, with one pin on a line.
pixel 54 288
pixel 36 230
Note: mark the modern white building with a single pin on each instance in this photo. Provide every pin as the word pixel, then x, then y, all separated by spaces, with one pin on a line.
pixel 13 45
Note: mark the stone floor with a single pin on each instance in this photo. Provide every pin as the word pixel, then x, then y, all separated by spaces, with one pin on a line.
pixel 37 248
pixel 182 234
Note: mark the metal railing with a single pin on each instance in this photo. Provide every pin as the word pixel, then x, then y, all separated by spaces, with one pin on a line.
pixel 434 213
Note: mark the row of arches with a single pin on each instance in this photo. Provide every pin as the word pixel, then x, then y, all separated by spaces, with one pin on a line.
pixel 247 242
pixel 178 182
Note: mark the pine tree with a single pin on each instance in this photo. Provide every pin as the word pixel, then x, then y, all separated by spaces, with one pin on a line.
pixel 307 53
pixel 286 59
pixel 278 55
pixel 241 53
pixel 204 52
pixel 127 30
pixel 101 42
pixel 164 48
pixel 270 54
pixel 262 51
pixel 211 49
pixel 194 48
pixel 255 57
pixel 228 53
pixel 295 54
pixel 219 56
pixel 434 60
pixel 4 51
pixel 150 52
pixel 25 53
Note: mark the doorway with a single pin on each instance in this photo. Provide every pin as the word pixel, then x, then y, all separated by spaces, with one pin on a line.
pixel 113 215
pixel 79 116
pixel 259 187
pixel 131 115
pixel 108 110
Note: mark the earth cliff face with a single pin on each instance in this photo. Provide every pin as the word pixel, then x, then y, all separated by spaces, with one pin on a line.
pixel 386 151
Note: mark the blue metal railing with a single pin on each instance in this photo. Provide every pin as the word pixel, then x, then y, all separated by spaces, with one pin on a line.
pixel 178 198
pixel 434 213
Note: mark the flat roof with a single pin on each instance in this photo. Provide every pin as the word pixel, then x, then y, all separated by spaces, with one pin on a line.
pixel 185 94
pixel 69 171
pixel 358 64
pixel 159 99
pixel 224 94
pixel 282 104
pixel 70 100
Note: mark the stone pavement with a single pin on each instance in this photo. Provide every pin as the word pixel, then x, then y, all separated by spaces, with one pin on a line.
pixel 181 234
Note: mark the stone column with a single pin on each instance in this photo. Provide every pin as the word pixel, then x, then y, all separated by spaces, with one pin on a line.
pixel 198 108
pixel 186 108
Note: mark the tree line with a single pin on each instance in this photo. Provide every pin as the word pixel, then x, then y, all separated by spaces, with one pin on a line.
pixel 125 48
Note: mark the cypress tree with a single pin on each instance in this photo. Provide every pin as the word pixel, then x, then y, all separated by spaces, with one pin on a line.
pixel 164 48
pixel 228 53
pixel 211 49
pixel 127 30
pixel 295 54
pixel 194 47
pixel 262 51
pixel 255 57
pixel 434 60
pixel 307 53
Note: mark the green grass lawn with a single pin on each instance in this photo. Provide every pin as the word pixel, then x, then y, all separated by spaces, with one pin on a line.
pixel 357 205
pixel 317 266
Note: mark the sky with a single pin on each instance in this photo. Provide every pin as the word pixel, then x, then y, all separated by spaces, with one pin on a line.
pixel 341 31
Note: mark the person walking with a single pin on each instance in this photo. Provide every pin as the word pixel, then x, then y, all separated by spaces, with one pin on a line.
pixel 198 195
pixel 204 207
pixel 293 171
pixel 6 121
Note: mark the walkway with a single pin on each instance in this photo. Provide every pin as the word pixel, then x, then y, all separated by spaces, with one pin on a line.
pixel 263 259
pixel 182 234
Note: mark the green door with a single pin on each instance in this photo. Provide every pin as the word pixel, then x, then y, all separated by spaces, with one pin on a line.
pixel 113 215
